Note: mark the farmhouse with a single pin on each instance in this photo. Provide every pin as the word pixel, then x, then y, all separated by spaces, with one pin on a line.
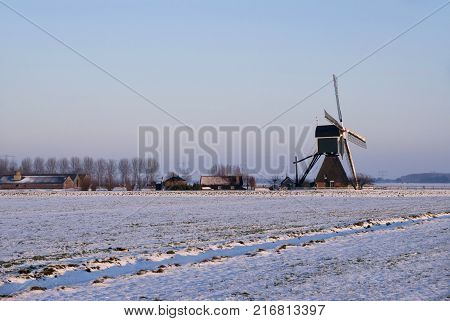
pixel 222 182
pixel 174 182
pixel 17 181
pixel 287 183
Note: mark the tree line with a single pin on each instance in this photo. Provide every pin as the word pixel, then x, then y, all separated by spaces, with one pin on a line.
pixel 130 173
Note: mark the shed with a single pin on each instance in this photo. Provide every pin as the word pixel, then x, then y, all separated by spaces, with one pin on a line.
pixel 287 183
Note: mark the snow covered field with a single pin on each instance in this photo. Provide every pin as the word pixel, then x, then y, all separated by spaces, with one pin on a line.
pixel 323 245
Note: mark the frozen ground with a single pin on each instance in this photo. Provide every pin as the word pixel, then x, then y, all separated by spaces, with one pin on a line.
pixel 324 245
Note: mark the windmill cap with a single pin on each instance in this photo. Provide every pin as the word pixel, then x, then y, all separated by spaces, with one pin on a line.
pixel 327 131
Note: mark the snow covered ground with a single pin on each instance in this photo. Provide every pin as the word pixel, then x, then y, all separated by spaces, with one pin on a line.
pixel 324 245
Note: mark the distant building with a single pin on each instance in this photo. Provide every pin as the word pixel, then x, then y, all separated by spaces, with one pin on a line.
pixel 287 183
pixel 222 182
pixel 78 179
pixel 332 174
pixel 17 181
pixel 174 182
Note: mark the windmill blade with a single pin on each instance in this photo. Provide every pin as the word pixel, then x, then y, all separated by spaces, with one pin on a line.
pixel 357 139
pixel 336 92
pixel 333 121
pixel 356 135
pixel 352 164
pixel 342 147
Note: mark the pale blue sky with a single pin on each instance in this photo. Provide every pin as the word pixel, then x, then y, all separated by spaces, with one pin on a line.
pixel 225 62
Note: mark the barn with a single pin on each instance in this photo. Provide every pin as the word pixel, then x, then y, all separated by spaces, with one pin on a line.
pixel 234 182
pixel 17 181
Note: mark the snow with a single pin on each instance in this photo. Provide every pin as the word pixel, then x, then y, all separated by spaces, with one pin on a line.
pixel 325 245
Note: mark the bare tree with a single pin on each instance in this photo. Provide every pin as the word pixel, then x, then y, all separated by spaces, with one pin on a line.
pixel 249 181
pixel 12 166
pixel 218 170
pixel 38 165
pixel 4 164
pixel 214 169
pixel 111 168
pixel 142 173
pixel 252 182
pixel 275 180
pixel 225 170
pixel 151 168
pixel 100 168
pixel 124 170
pixel 50 165
pixel 7 166
pixel 136 165
pixel 75 165
pixel 364 179
pixel 185 174
pixel 63 165
pixel 88 165
pixel 26 166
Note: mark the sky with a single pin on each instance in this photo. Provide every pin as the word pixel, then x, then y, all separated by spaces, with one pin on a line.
pixel 225 62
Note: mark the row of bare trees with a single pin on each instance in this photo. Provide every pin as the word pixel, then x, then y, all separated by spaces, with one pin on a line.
pixel 135 172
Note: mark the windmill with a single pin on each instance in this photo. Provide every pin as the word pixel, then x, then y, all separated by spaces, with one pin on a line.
pixel 333 141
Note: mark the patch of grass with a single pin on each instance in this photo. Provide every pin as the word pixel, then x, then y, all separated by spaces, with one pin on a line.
pixel 38 258
pixel 142 272
pixel 37 288
pixel 24 271
pixel 120 249
pixel 48 271
pixel 101 280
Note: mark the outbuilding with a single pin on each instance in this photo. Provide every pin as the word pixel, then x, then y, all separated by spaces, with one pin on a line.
pixel 174 182
pixel 234 182
pixel 17 181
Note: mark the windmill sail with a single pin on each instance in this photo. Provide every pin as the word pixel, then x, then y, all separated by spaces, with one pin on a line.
pixel 352 164
pixel 337 97
pixel 333 121
pixel 357 139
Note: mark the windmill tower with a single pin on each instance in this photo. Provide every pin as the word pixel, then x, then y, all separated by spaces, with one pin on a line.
pixel 332 141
